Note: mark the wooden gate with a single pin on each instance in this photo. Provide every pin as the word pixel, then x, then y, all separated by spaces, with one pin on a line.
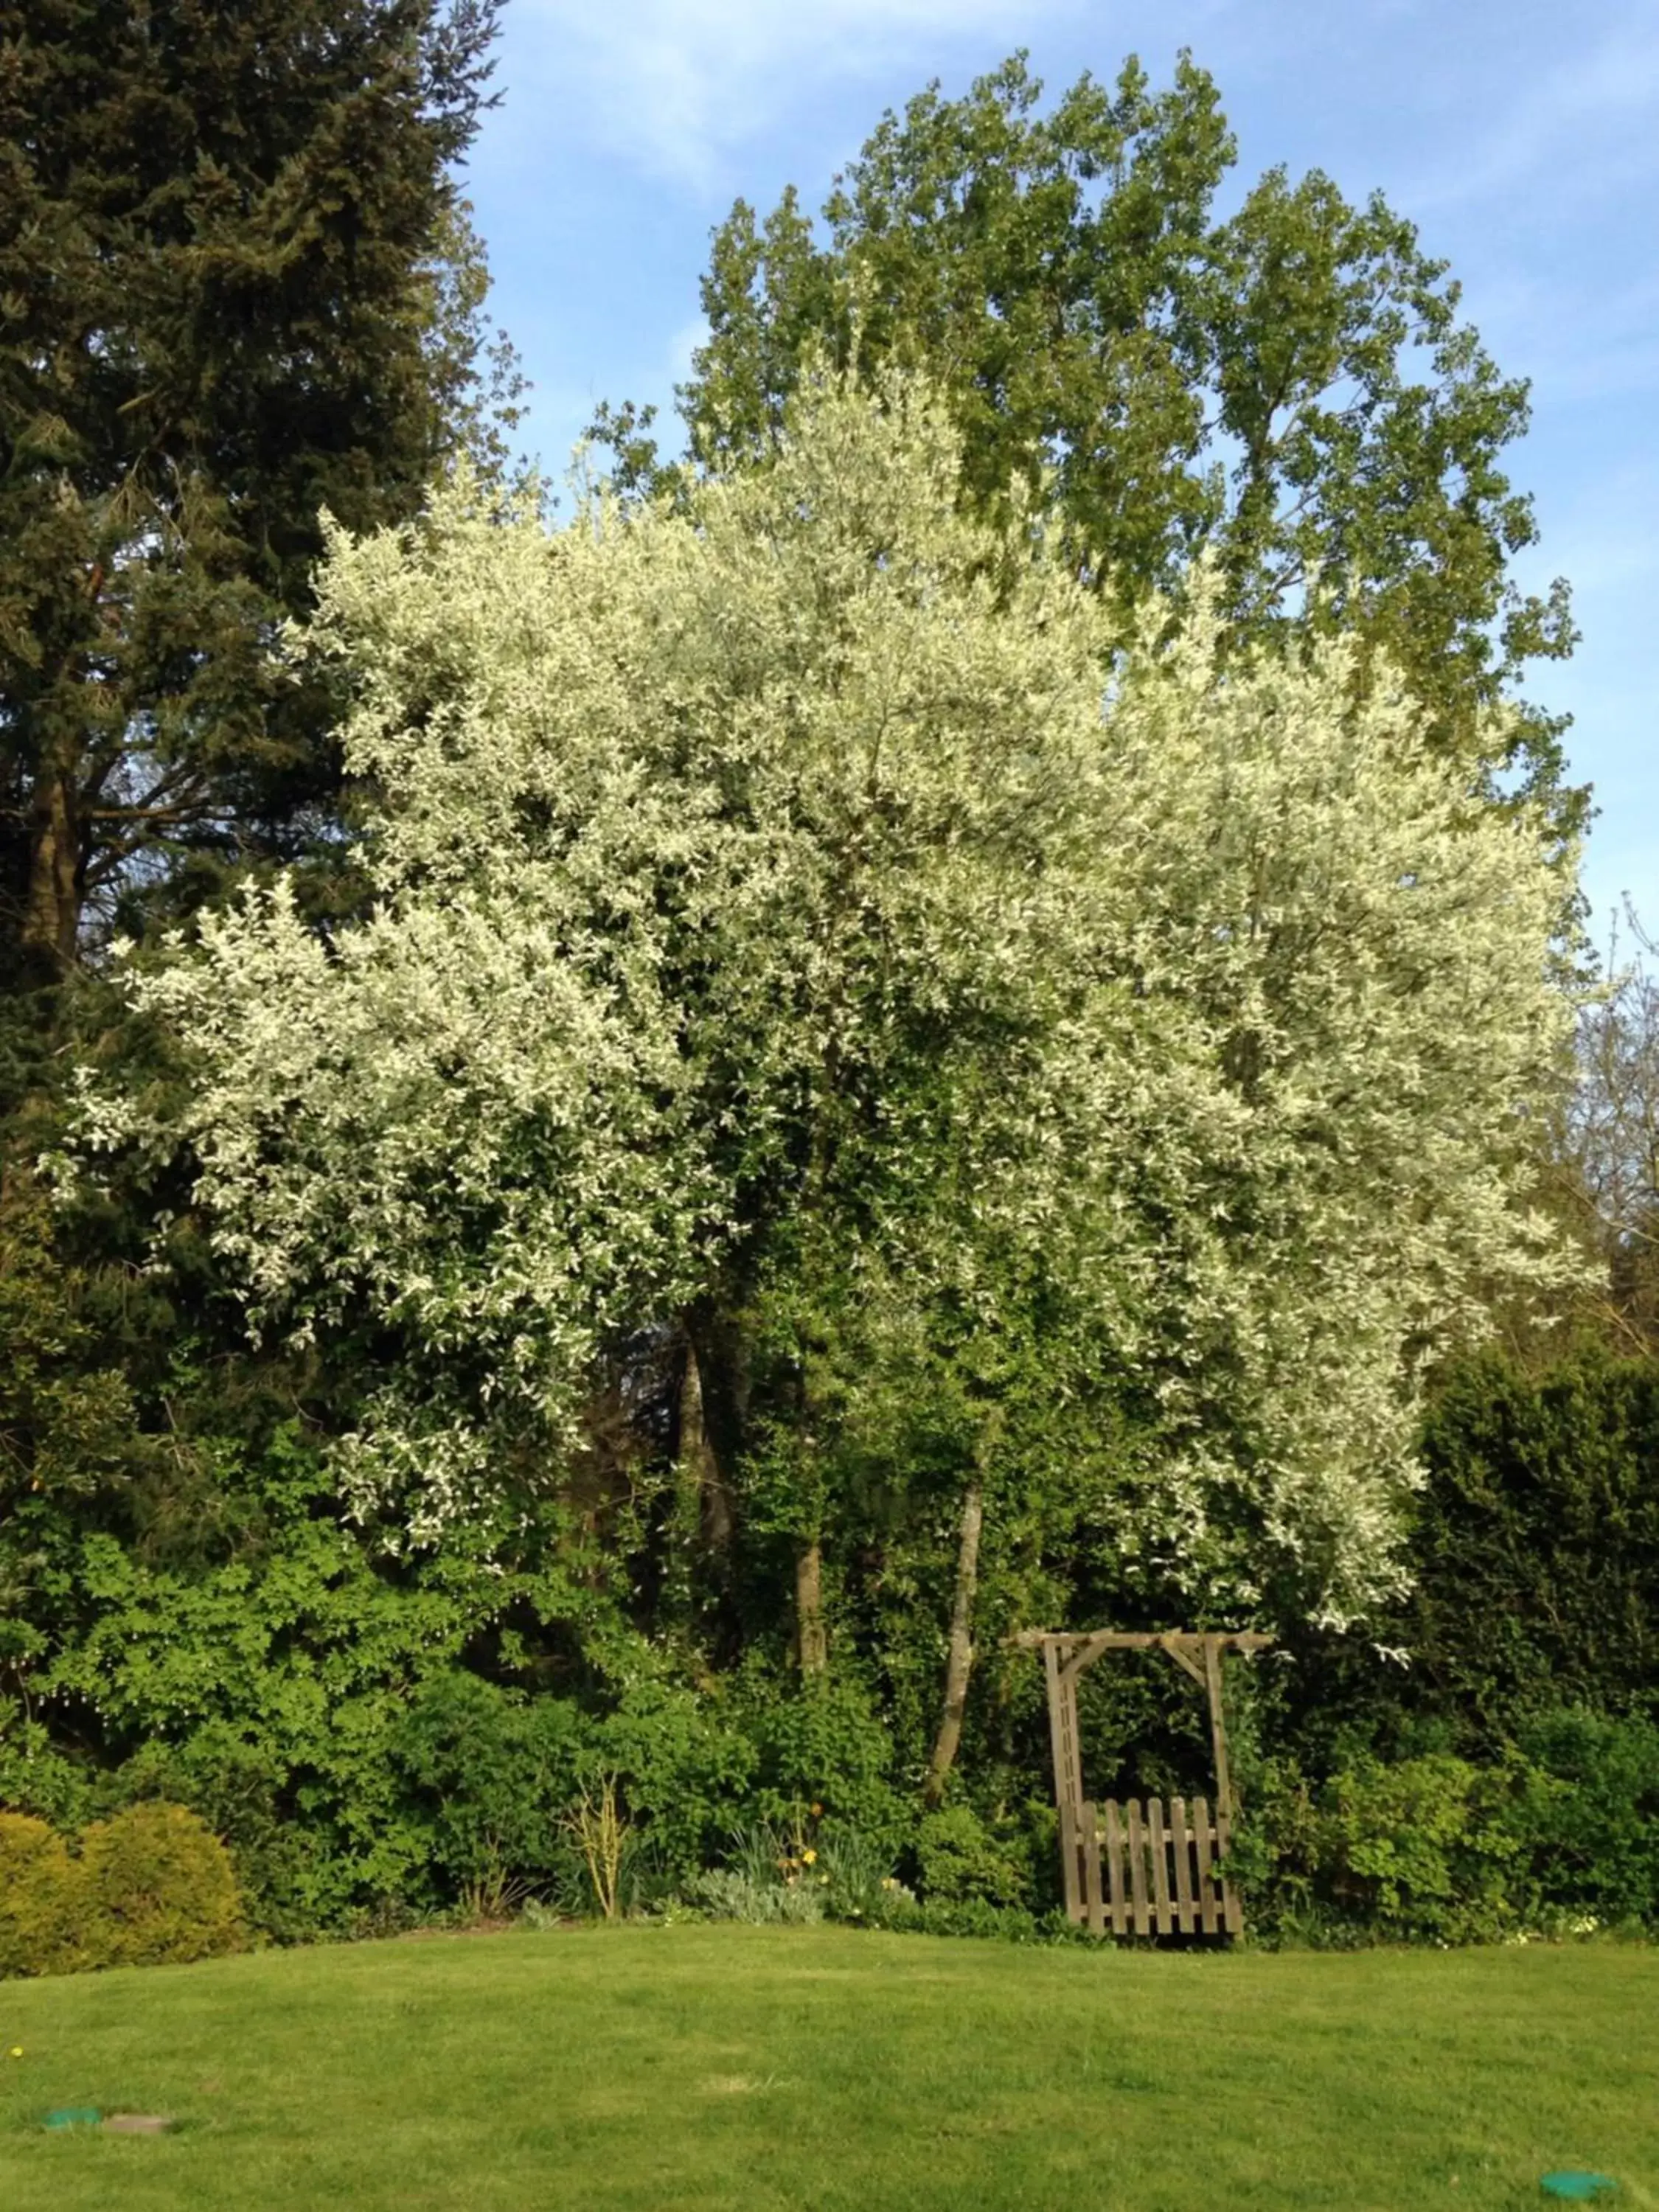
pixel 1160 1874
pixel 1154 1875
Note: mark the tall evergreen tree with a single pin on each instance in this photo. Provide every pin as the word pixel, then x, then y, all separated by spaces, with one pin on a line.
pixel 237 287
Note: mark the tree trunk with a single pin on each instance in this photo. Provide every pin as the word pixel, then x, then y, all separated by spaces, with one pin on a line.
pixel 813 1642
pixel 959 1656
pixel 700 1467
pixel 52 920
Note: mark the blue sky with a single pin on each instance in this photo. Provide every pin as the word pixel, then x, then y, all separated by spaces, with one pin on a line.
pixel 1521 137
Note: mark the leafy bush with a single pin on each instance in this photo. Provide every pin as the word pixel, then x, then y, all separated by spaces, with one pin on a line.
pixel 1590 1821
pixel 38 1898
pixel 155 1886
pixel 487 1776
pixel 1563 1828
pixel 324 1707
pixel 826 1746
pixel 271 1818
pixel 36 1777
pixel 961 1861
pixel 733 1893
pixel 689 1765
pixel 1427 1848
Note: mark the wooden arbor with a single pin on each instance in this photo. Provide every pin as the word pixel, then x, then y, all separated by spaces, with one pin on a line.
pixel 1159 1871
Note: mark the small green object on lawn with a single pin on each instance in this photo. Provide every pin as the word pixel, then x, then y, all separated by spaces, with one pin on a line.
pixel 1578 2185
pixel 75 2115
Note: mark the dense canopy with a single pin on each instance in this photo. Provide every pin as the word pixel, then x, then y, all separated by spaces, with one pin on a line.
pixel 796 889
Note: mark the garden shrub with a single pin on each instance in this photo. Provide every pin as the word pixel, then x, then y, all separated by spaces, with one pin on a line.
pixel 1430 1849
pixel 38 1898
pixel 1420 1843
pixel 293 1883
pixel 688 1766
pixel 1535 1548
pixel 270 1689
pixel 827 1746
pixel 37 1776
pixel 959 1861
pixel 487 1776
pixel 1425 1849
pixel 152 1886
pixel 1563 1828
pixel 155 1886
pixel 1590 1821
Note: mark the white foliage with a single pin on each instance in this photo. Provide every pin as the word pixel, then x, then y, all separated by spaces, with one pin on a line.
pixel 686 824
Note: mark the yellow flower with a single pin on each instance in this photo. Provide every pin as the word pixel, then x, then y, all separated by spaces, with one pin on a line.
pixel 17 2050
pixel 816 1811
pixel 807 1856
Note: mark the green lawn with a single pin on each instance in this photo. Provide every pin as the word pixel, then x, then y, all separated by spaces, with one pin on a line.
pixel 814 2069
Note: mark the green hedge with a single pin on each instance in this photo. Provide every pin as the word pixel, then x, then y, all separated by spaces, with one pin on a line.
pixel 1536 1545
pixel 1562 1833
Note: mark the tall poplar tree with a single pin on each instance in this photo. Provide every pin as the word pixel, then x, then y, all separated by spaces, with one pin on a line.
pixel 1291 388
pixel 236 286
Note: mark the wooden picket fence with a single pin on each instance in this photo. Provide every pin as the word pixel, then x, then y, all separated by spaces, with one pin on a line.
pixel 1154 1874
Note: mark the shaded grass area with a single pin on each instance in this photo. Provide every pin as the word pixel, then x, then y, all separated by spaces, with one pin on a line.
pixel 821 2070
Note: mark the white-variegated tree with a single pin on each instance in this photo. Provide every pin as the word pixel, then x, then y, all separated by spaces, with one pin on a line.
pixel 793 885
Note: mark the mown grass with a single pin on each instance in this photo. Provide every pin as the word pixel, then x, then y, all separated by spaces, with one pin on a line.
pixel 821 2070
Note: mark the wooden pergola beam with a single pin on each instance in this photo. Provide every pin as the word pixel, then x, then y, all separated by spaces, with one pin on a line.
pixel 1127 1639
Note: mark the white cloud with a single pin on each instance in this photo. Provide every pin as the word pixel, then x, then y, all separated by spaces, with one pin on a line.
pixel 677 86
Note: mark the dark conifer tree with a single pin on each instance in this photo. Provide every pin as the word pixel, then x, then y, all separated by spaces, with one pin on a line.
pixel 236 287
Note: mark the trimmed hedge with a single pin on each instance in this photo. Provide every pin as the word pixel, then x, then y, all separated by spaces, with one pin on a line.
pixel 152 1886
pixel 37 1904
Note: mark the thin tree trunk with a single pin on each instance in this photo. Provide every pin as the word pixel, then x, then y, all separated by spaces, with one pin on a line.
pixel 52 920
pixel 813 1642
pixel 699 1466
pixel 959 1656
